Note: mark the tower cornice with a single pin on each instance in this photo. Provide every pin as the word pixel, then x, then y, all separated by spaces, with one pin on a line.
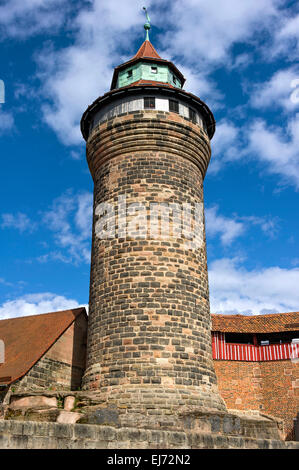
pixel 148 88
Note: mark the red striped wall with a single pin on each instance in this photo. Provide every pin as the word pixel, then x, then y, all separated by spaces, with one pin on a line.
pixel 250 353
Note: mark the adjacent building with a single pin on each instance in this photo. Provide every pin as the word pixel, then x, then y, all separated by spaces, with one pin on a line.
pixel 255 359
pixel 44 351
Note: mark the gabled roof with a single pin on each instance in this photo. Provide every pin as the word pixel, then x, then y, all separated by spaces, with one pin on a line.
pixel 27 339
pixel 146 50
pixel 270 323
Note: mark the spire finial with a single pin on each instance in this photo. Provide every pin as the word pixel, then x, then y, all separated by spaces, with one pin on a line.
pixel 147 25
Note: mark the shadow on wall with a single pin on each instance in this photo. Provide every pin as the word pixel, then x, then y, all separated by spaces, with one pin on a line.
pixel 79 352
pixel 296 428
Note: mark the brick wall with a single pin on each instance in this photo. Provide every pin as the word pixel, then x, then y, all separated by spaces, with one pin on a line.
pixel 280 388
pixel 271 387
pixel 149 339
pixel 63 364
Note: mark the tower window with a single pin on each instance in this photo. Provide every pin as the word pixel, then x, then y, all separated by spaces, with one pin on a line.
pixel 129 73
pixel 192 115
pixel 174 106
pixel 174 79
pixel 154 69
pixel 149 102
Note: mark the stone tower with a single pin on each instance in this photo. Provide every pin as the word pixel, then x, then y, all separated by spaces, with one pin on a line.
pixel 149 339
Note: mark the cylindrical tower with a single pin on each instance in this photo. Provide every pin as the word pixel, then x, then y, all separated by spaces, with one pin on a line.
pixel 149 335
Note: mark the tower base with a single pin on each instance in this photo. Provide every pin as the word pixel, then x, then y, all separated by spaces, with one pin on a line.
pixel 31 420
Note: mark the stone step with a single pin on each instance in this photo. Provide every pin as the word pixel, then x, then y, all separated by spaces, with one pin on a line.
pixel 41 435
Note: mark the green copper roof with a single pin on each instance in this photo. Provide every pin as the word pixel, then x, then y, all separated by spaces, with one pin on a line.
pixel 147 71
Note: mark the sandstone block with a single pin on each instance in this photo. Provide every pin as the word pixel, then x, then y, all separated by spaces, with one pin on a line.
pixel 37 402
pixel 69 403
pixel 68 417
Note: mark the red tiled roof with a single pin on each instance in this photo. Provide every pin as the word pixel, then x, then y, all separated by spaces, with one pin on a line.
pixel 147 50
pixel 27 339
pixel 150 82
pixel 272 323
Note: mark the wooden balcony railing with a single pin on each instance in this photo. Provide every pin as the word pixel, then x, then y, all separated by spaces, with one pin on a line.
pixel 247 352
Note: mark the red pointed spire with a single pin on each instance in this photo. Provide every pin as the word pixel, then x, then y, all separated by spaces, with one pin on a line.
pixel 147 50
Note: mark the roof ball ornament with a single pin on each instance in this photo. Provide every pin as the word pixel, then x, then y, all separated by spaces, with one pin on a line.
pixel 147 25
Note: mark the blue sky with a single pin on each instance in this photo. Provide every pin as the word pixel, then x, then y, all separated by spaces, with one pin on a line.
pixel 241 57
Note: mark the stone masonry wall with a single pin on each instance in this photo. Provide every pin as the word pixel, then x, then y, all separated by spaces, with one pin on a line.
pixel 270 387
pixel 34 435
pixel 149 337
pixel 47 374
pixel 62 366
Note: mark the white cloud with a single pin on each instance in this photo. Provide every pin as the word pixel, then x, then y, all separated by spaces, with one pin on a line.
pixel 277 147
pixel 5 283
pixel 70 219
pixel 19 221
pixel 204 32
pixel 286 39
pixel 75 76
pixel 33 304
pixel 83 216
pixel 6 121
pixel 225 145
pixel 277 91
pixel 233 289
pixel 230 228
pixel 25 18
pixel 267 224
pixel 227 228
pixel 241 61
pixel 75 155
pixel 54 256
